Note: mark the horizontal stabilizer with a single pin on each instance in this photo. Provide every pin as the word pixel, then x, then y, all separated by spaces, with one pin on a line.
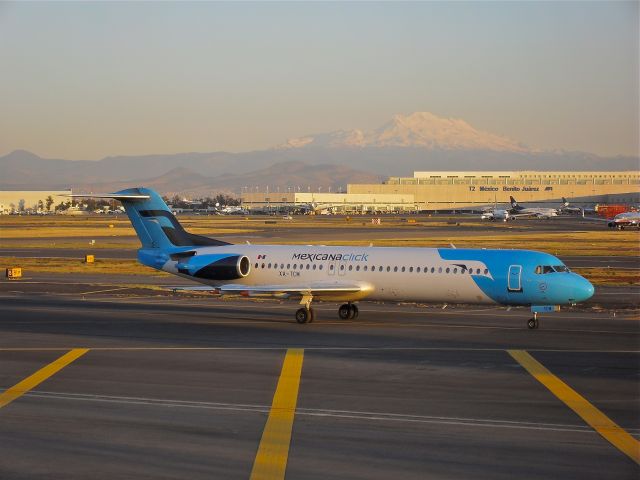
pixel 115 196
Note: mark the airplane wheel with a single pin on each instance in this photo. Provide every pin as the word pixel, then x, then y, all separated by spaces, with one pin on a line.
pixel 303 315
pixel 532 323
pixel 344 312
pixel 353 313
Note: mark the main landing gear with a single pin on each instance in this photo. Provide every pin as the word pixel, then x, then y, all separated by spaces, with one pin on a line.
pixel 348 311
pixel 532 323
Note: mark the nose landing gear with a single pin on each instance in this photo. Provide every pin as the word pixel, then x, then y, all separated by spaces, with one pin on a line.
pixel 304 315
pixel 348 311
pixel 532 323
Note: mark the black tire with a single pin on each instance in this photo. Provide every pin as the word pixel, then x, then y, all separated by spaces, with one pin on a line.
pixel 344 312
pixel 532 323
pixel 353 311
pixel 302 315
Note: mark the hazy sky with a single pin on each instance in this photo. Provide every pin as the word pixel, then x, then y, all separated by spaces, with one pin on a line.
pixel 86 80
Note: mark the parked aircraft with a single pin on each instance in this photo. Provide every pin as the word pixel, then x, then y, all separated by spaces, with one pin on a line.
pixel 538 212
pixel 346 273
pixel 566 208
pixel 497 214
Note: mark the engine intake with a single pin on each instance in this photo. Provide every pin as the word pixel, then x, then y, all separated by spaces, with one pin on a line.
pixel 230 268
pixel 213 267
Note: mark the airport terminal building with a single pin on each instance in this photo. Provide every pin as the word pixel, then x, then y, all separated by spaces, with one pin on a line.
pixel 433 191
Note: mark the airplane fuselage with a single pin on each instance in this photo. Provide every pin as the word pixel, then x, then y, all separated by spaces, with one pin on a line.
pixel 433 275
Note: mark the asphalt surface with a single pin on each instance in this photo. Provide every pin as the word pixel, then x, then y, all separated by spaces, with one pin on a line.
pixel 178 387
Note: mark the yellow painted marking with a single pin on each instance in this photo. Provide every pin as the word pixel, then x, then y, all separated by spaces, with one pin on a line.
pixel 273 452
pixel 576 402
pixel 40 376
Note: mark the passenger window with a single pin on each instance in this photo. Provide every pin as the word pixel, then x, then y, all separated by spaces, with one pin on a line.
pixel 365 268
pixel 448 270
pixel 486 271
pixel 395 269
pixel 308 266
pixel 256 265
pixel 288 266
pixel 269 266
pixel 433 269
pixel 439 269
pixel 380 268
pixel 341 267
pixel 330 267
pixel 262 265
pixel 301 266
pixel 295 266
pixel 320 267
pixel 539 269
pixel 315 266
pixel 350 267
pixel 357 268
pixel 388 269
pixel 403 269
pixel 455 270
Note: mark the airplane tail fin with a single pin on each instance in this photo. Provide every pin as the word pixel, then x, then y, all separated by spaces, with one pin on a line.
pixel 154 223
pixel 514 204
pixel 564 202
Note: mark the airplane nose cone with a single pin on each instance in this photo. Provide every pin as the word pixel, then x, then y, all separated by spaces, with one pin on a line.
pixel 584 290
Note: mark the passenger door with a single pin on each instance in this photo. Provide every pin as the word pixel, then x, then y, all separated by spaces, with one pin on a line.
pixel 514 279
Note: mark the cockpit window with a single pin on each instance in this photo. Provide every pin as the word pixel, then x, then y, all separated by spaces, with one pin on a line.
pixel 543 269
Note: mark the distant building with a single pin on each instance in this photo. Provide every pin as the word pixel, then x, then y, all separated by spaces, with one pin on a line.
pixel 464 190
pixel 329 202
pixel 24 201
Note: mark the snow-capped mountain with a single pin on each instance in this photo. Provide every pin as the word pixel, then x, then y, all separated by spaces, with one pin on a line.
pixel 419 129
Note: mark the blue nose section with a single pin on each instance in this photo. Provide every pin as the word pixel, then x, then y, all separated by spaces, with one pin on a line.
pixel 583 289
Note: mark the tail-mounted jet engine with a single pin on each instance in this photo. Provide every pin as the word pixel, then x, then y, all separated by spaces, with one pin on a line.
pixel 215 266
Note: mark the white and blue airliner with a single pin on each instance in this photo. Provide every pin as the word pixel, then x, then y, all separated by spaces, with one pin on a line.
pixel 349 274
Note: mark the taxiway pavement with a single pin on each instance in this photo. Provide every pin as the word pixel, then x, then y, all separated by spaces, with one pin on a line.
pixel 175 387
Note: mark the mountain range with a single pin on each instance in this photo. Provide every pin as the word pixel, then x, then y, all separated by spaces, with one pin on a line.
pixel 419 141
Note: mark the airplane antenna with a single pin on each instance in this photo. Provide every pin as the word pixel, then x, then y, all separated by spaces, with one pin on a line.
pixel 248 242
pixel 452 245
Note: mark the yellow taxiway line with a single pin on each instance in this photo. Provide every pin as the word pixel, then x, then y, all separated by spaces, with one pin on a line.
pixel 40 376
pixel 273 452
pixel 576 402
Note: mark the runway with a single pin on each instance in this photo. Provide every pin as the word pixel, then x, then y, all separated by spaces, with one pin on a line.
pixel 173 387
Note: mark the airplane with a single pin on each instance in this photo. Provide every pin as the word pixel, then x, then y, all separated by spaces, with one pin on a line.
pixel 497 214
pixel 620 221
pixel 538 212
pixel 346 273
pixel 566 208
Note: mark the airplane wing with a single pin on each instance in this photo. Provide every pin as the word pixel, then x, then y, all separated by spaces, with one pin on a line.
pixel 324 290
